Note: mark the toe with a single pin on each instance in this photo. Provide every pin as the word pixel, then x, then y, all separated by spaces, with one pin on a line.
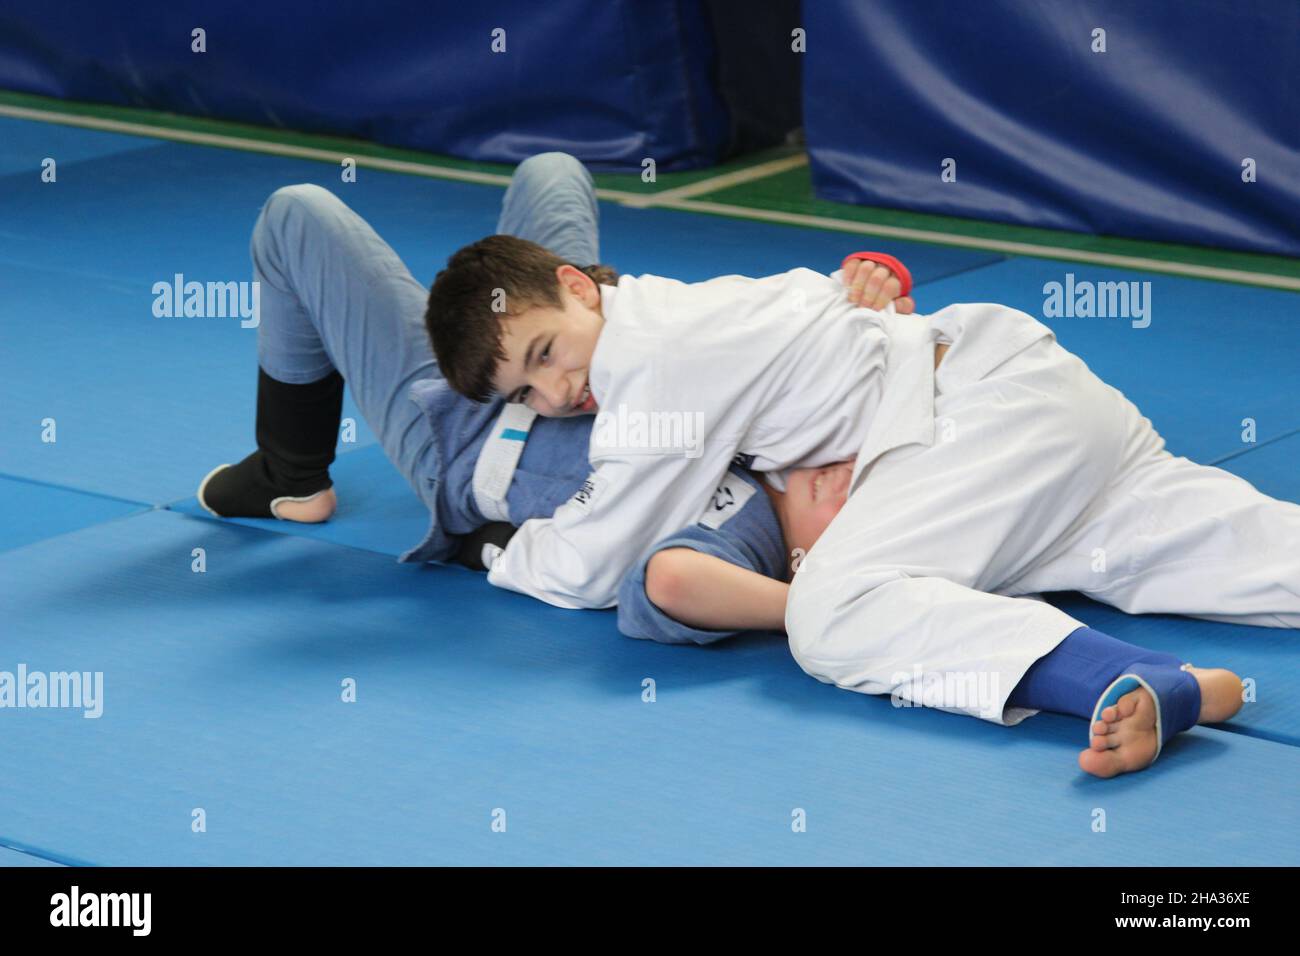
pixel 1099 764
pixel 1128 704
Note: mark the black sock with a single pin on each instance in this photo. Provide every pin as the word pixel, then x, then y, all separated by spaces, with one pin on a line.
pixel 297 430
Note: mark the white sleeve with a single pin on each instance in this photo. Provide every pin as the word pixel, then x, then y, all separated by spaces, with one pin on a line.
pixel 577 557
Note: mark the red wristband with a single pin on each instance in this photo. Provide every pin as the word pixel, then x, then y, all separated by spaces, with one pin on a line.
pixel 900 271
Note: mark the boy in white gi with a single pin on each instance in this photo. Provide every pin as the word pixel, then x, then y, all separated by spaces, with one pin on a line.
pixel 1000 476
pixel 783 370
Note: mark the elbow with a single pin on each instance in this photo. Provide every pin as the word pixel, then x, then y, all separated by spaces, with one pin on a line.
pixel 667 582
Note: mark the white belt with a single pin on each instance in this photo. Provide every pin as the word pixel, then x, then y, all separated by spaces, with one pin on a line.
pixel 496 463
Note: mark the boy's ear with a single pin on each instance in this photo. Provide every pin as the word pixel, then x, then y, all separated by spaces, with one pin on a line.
pixel 578 283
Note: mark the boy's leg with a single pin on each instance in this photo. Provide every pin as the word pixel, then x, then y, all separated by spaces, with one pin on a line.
pixel 900 595
pixel 1070 678
pixel 336 304
pixel 551 201
pixel 1172 536
pixel 1134 699
pixel 336 298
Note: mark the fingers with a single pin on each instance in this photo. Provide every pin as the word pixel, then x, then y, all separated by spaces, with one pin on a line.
pixel 850 275
pixel 871 285
pixel 874 286
pixel 866 282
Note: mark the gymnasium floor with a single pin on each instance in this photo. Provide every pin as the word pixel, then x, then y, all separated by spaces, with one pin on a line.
pixel 222 689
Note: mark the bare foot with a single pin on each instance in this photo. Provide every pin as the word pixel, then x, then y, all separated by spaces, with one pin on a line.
pixel 318 509
pixel 1220 693
pixel 1124 739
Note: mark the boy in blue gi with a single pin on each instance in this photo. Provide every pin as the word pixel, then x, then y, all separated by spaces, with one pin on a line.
pixel 339 305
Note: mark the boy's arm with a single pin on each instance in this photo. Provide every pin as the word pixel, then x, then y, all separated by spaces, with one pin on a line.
pixel 737 551
pixel 708 593
pixel 577 557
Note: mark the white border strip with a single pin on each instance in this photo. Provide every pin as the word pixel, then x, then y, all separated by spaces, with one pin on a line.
pixel 994 245
pixel 251 145
pixel 678 198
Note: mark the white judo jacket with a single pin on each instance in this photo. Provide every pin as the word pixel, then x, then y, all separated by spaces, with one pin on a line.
pixel 689 375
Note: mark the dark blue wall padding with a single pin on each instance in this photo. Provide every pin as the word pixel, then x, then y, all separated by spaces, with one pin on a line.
pixel 759 75
pixel 1144 140
pixel 610 82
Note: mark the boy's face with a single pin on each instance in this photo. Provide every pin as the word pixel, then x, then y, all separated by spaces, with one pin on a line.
pixel 548 350
pixel 812 499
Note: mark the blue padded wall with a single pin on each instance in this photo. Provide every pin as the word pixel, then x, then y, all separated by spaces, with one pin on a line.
pixel 1146 139
pixel 610 82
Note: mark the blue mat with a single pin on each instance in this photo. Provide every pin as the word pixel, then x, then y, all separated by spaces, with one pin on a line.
pixel 1273 468
pixel 222 693
pixel 26 145
pixel 15 858
pixel 693 248
pixel 222 689
pixel 32 511
pixel 143 407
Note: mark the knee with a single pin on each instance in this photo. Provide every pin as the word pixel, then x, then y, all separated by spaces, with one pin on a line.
pixel 806 616
pixel 297 202
pixel 286 215
pixel 549 167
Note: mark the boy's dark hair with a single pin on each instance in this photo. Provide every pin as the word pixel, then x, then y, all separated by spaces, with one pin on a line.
pixel 464 327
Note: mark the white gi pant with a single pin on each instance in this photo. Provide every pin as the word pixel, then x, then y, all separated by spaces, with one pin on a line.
pixel 1041 478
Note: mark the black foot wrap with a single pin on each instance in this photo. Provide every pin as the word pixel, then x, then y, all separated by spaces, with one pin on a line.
pixel 297 428
pixel 247 489
pixel 471 546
